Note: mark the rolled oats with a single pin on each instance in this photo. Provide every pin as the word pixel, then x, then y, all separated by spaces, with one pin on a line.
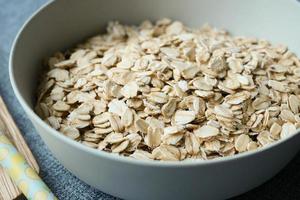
pixel 241 142
pixel 61 106
pixel 163 91
pixel 153 137
pixel 287 130
pixel 71 132
pixel 206 131
pixel 182 117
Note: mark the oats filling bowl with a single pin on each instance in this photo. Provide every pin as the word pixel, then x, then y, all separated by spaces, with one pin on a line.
pixel 164 99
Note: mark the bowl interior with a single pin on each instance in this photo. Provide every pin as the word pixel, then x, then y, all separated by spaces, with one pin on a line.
pixel 61 24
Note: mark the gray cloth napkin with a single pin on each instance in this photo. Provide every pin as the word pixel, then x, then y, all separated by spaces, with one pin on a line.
pixel 13 13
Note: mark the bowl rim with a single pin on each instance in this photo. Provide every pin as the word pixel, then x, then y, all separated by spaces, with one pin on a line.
pixel 111 156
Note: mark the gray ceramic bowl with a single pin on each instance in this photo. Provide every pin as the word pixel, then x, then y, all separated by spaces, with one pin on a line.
pixel 61 24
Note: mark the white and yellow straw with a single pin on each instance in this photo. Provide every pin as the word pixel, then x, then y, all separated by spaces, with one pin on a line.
pixel 20 172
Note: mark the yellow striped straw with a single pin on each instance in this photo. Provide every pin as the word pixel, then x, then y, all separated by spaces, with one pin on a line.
pixel 20 172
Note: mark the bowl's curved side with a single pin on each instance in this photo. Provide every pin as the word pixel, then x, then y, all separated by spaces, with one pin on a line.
pixel 56 27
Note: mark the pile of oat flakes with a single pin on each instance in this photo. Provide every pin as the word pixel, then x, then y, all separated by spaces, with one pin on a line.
pixel 167 92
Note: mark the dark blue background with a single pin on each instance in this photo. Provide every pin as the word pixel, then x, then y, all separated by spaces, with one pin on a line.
pixel 13 13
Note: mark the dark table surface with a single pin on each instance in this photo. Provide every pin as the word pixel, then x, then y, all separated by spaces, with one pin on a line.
pixel 13 13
